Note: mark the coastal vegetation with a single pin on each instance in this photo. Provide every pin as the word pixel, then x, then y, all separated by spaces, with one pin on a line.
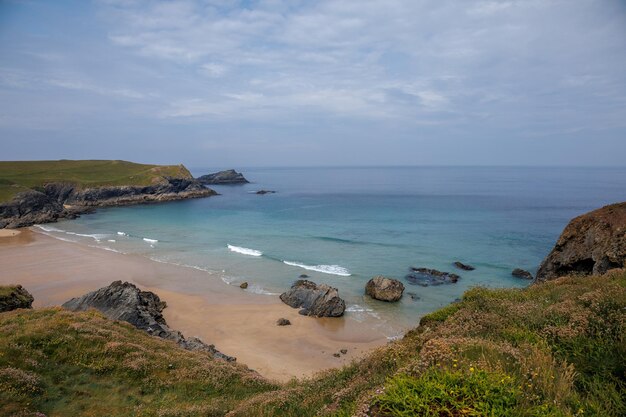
pixel 18 176
pixel 552 349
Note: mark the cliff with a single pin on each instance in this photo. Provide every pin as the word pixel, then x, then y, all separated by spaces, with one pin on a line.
pixel 590 244
pixel 42 192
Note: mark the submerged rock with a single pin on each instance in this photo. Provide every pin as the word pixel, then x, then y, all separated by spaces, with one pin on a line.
pixel 314 300
pixel 283 322
pixel 229 176
pixel 13 297
pixel 384 289
pixel 143 309
pixel 427 276
pixel 521 273
pixel 590 244
pixel 262 192
pixel 464 267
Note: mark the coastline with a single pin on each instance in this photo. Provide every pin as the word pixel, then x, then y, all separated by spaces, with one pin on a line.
pixel 239 323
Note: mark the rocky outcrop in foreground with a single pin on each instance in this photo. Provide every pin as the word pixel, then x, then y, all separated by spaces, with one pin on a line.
pixel 314 300
pixel 521 273
pixel 223 177
pixel 427 276
pixel 384 289
pixel 13 297
pixel 63 200
pixel 590 244
pixel 143 309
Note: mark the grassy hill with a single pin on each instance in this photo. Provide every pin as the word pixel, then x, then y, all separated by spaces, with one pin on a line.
pixel 555 349
pixel 17 176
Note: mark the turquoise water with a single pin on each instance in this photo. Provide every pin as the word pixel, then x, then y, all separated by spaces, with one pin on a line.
pixel 349 224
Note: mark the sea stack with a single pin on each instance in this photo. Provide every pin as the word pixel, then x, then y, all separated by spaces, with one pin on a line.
pixel 229 176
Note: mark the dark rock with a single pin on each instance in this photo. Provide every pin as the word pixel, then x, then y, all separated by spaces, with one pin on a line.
pixel 343 351
pixel 521 273
pixel 60 200
pixel 13 297
pixel 336 355
pixel 223 177
pixel 142 309
pixel 426 277
pixel 283 322
pixel 463 266
pixel 314 300
pixel 590 244
pixel 303 276
pixel 413 296
pixel 262 192
pixel 243 285
pixel 384 289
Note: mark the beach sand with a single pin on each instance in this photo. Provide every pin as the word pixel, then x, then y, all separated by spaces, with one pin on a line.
pixel 239 323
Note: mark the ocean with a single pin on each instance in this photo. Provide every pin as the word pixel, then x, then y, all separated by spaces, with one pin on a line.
pixel 342 226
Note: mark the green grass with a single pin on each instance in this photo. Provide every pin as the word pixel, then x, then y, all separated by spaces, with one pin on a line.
pixel 554 349
pixel 17 176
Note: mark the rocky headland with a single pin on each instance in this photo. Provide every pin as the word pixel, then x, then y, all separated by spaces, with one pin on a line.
pixel 143 309
pixel 57 200
pixel 229 176
pixel 590 244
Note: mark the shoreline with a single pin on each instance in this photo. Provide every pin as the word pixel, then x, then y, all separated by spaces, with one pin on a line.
pixel 237 322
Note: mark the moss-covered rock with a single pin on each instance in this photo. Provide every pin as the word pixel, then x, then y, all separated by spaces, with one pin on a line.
pixel 13 297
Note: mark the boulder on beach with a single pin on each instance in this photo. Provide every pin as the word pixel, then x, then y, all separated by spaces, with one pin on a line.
pixel 384 289
pixel 13 297
pixel 229 176
pixel 314 300
pixel 464 267
pixel 283 322
pixel 521 273
pixel 590 244
pixel 243 285
pixel 427 276
pixel 143 309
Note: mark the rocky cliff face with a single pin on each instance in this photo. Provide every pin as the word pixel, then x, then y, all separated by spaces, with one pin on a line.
pixel 590 244
pixel 14 297
pixel 143 309
pixel 62 200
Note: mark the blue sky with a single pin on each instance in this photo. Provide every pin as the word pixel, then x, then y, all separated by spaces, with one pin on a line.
pixel 299 83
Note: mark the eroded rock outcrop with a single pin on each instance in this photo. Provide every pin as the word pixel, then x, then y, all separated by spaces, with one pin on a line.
pixel 427 276
pixel 314 300
pixel 521 273
pixel 64 200
pixel 384 289
pixel 143 309
pixel 464 267
pixel 590 244
pixel 229 176
pixel 13 297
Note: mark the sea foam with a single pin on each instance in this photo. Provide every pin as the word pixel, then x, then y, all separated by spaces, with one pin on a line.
pixel 150 240
pixel 325 269
pixel 245 251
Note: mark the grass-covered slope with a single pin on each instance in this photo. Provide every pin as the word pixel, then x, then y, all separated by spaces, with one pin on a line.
pixel 69 364
pixel 17 176
pixel 554 349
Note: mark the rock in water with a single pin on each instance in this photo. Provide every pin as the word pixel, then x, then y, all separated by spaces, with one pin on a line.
pixel 142 309
pixel 426 277
pixel 223 177
pixel 262 192
pixel 314 300
pixel 521 273
pixel 384 289
pixel 463 266
pixel 13 297
pixel 243 285
pixel 590 244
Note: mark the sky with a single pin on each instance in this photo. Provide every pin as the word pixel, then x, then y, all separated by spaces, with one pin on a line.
pixel 227 83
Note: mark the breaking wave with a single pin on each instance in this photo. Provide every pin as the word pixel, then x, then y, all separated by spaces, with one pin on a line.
pixel 324 269
pixel 245 251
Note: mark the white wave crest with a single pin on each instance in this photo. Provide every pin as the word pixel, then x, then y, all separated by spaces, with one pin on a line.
pixel 324 269
pixel 150 240
pixel 111 240
pixel 122 234
pixel 245 251
pixel 257 289
pixel 48 228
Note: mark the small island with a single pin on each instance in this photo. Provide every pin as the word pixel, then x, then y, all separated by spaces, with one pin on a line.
pixel 229 176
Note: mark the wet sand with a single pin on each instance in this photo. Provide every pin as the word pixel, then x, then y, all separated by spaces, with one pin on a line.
pixel 239 323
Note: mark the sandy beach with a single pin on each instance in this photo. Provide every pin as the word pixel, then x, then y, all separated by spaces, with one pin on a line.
pixel 239 323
